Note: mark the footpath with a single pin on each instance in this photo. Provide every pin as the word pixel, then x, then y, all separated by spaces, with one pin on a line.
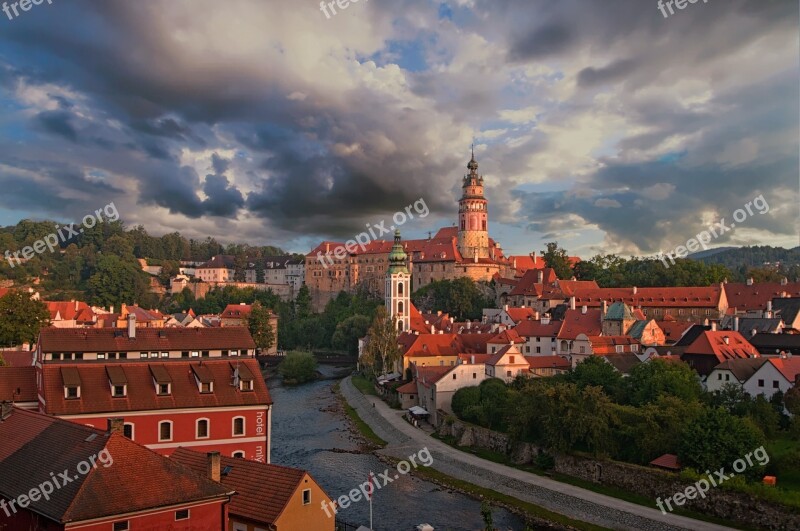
pixel 580 504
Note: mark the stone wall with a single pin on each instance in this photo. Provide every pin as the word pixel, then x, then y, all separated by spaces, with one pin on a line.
pixel 645 481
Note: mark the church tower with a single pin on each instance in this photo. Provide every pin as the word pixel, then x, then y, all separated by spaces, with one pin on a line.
pixel 398 285
pixel 473 216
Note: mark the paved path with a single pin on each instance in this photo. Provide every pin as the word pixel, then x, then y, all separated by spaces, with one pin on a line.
pixel 577 503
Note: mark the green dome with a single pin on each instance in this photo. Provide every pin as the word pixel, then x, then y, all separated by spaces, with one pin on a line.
pixel 398 256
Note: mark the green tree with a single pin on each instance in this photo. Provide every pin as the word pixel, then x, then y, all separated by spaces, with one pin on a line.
pixel 464 399
pixel 260 326
pixel 595 371
pixel 649 381
pixel 298 367
pixel 558 259
pixel 116 281
pixel 462 297
pixel 349 331
pixel 21 318
pixel 382 343
pixel 716 439
pixel 303 302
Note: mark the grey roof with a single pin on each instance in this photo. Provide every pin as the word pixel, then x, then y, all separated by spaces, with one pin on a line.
pixel 748 324
pixel 623 362
pixel 786 309
pixel 691 334
pixel 772 344
pixel 742 368
pixel 637 329
pixel 618 311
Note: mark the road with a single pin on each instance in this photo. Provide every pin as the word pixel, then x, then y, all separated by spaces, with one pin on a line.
pixel 577 503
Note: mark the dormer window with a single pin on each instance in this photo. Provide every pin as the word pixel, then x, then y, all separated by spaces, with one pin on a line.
pixel 246 385
pixel 119 391
pixel 118 381
pixel 72 392
pixel 72 383
pixel 161 379
pixel 203 379
pixel 164 389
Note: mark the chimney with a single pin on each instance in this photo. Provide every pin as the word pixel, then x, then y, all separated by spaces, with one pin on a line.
pixel 727 340
pixel 635 290
pixel 469 325
pixel 714 326
pixel 505 307
pixel 535 315
pixel 472 359
pixel 572 303
pixel 131 326
pixel 769 306
pixel 6 408
pixel 605 309
pixel 736 324
pixel 213 469
pixel 545 320
pixel 540 277
pixel 115 425
pixel 750 281
pixel 433 329
pixel 439 312
pixel 584 309
pixel 76 305
pixel 784 281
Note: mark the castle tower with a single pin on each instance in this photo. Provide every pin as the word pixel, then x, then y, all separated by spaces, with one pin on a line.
pixel 398 285
pixel 473 216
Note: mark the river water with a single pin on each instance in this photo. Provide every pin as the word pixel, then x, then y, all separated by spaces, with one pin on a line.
pixel 310 431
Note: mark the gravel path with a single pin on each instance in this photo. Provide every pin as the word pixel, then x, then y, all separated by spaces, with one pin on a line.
pixel 577 503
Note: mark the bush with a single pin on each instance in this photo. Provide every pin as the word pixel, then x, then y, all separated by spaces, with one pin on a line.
pixel 298 367
pixel 463 399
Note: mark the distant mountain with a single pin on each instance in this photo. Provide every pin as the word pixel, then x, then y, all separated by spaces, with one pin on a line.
pixel 756 256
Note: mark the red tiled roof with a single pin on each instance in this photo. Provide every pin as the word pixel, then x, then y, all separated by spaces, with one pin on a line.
pixel 262 490
pixel 505 337
pixel 407 388
pixel 508 349
pixel 537 329
pixel 96 393
pixel 518 314
pixel 668 461
pixel 529 283
pixel 789 367
pixel 33 445
pixel 712 343
pixel 223 261
pixel 479 358
pixel 147 339
pixel 428 376
pixel 673 330
pixel 576 322
pixel 237 311
pixel 17 358
pixel 546 362
pixel 602 345
pixel 14 378
pixel 69 310
pixel 701 297
pixel 756 296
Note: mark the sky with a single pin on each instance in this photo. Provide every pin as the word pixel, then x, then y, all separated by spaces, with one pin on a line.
pixel 602 125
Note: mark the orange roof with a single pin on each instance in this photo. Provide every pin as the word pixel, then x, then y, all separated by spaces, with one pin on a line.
pixel 701 297
pixel 407 388
pixel 602 345
pixel 713 343
pixel 262 490
pixel 756 296
pixel 576 322
pixel 673 330
pixel 788 367
pixel 505 337
pixel 147 339
pixel 69 310
pixel 479 358
pixel 428 376
pixel 237 311
pixel 510 350
pixel 530 328
pixel 546 362
pixel 529 283
pixel 518 314
pixel 668 461
pixel 17 358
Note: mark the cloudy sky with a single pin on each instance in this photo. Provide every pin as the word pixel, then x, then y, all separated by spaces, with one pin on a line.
pixel 600 124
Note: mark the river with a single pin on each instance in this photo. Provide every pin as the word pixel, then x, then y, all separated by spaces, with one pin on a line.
pixel 310 431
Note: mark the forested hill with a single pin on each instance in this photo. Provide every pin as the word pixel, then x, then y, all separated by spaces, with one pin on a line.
pixel 756 256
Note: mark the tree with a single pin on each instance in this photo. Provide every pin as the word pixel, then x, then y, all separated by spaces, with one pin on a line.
pixel 558 259
pixel 716 439
pixel 649 381
pixel 462 297
pixel 115 282
pixel 302 302
pixel 349 331
pixel 597 372
pixel 382 342
pixel 298 367
pixel 21 318
pixel 464 399
pixel 260 326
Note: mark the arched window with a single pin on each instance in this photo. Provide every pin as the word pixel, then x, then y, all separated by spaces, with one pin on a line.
pixel 165 430
pixel 399 326
pixel 400 288
pixel 238 455
pixel 400 308
pixel 202 428
pixel 238 427
pixel 484 224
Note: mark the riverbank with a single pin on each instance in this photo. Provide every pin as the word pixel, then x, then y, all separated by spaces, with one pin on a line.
pixel 577 504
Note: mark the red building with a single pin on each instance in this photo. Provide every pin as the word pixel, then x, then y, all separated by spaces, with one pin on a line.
pixel 199 388
pixel 57 475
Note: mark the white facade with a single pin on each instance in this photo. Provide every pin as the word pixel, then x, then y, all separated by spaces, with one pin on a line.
pixel 719 378
pixel 439 395
pixel 767 381
pixel 398 299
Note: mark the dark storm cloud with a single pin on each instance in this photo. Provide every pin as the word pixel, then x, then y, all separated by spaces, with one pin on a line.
pixel 58 123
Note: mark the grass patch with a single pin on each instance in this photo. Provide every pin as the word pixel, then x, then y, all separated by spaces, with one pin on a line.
pixel 493 496
pixel 364 385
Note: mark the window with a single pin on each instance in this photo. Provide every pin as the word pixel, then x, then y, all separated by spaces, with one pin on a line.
pixel 246 385
pixel 165 431
pixel 101 355
pixel 164 389
pixel 719 376
pixel 123 355
pixel 202 429
pixel 620 348
pixel 165 354
pixel 527 349
pixel 121 526
pixel 206 387
pixel 761 383
pixel 727 377
pixel 154 354
pixel 306 496
pixel 183 514
pixel 185 354
pixel 238 426
pixel 511 359
pixel 538 350
pixel 508 373
pixel 454 376
pixel 775 384
pixel 142 355
pixel 238 455
pixel 474 376
pixel 205 353
pixel 72 392
pixel 583 350
pixel 195 354
pixel 118 391
pixel 127 430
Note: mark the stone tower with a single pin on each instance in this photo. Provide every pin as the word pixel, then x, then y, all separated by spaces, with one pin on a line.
pixel 473 216
pixel 398 285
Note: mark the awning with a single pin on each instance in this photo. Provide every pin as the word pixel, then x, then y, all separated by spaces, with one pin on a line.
pixel 419 411
pixel 383 378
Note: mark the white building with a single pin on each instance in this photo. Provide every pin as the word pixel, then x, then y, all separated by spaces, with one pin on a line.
pixel 778 374
pixel 735 372
pixel 398 286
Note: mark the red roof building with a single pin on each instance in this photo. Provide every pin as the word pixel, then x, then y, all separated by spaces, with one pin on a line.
pixel 753 296
pixel 18 387
pixel 200 388
pixel 114 483
pixel 17 358
pixel 714 347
